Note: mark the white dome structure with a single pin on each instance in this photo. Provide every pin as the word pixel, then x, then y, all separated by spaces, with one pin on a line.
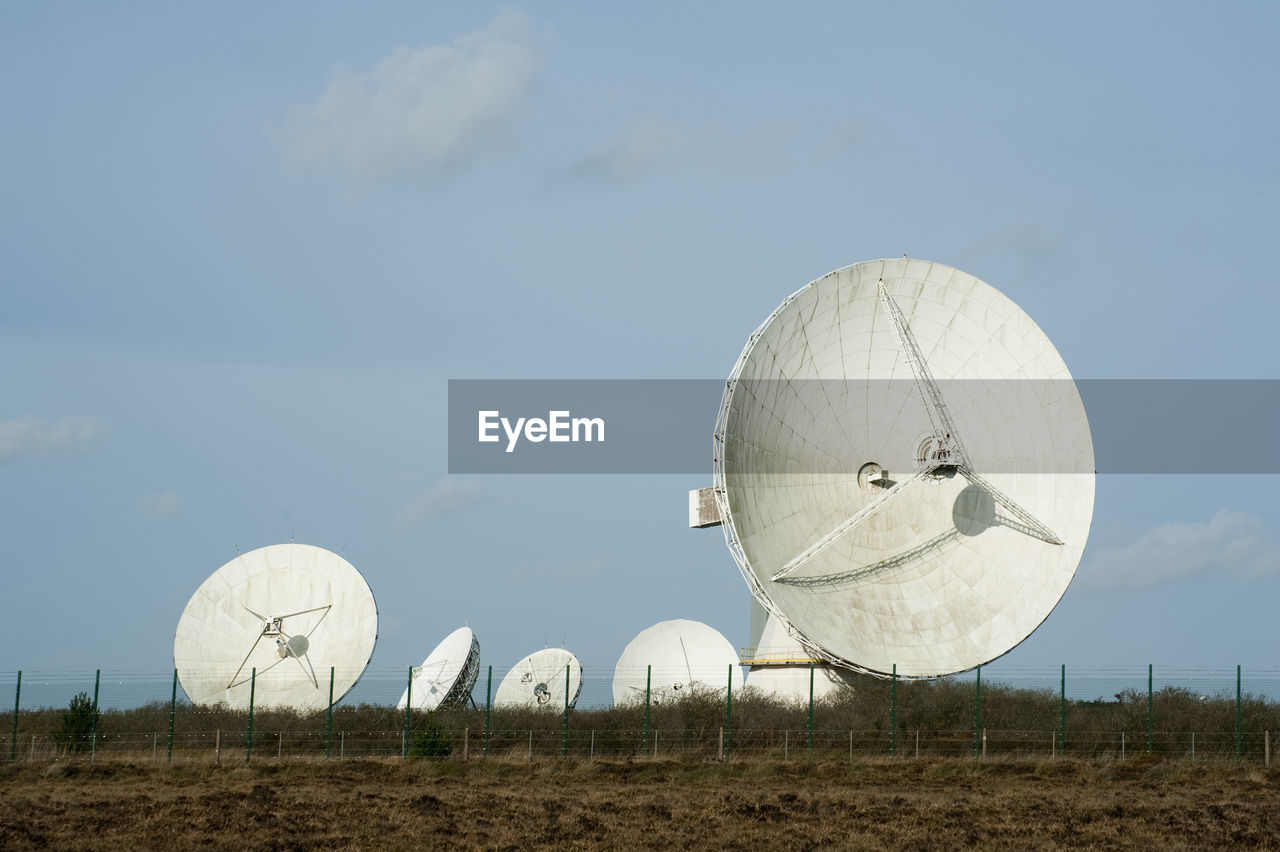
pixel 672 659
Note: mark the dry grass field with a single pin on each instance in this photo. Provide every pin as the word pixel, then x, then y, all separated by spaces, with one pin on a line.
pixel 882 803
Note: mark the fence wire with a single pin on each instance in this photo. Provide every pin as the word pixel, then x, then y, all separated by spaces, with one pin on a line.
pixel 1188 713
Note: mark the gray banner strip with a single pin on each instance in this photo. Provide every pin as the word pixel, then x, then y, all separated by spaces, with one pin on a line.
pixel 664 426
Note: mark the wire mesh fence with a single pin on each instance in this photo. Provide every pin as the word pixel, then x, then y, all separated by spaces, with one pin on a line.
pixel 1184 714
pixel 220 747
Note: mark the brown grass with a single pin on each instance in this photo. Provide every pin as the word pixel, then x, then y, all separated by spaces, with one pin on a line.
pixel 869 803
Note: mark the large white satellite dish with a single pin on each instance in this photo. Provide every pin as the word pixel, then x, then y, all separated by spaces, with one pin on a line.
pixel 448 674
pixel 539 681
pixel 904 469
pixel 289 611
pixel 685 656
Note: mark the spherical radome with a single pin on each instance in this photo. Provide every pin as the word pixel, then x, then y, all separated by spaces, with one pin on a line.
pixel 276 620
pixel 674 658
pixel 856 515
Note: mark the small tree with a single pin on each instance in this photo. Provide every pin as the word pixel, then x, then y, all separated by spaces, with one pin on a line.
pixel 430 741
pixel 77 724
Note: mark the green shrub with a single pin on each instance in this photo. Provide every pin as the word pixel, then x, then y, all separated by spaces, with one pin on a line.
pixel 430 741
pixel 78 722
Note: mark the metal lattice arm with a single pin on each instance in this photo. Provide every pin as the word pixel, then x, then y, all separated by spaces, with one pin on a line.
pixel 944 427
pixel 1029 520
pixel 253 673
pixel 232 682
pixel 857 518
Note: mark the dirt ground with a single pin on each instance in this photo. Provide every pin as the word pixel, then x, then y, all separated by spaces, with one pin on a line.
pixel 583 804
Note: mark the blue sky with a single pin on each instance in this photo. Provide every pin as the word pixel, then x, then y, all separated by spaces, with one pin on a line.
pixel 245 248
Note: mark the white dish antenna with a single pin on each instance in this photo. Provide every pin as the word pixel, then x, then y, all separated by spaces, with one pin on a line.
pixel 539 681
pixel 685 656
pixel 448 674
pixel 276 619
pixel 904 469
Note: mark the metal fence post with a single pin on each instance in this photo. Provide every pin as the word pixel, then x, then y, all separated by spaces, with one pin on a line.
pixel 1239 720
pixel 811 705
pixel 248 741
pixel 173 711
pixel 1151 724
pixel 93 729
pixel 564 737
pixel 408 704
pixel 17 699
pixel 1062 710
pixel 728 716
pixel 977 713
pixel 648 679
pixel 328 722
pixel 488 706
pixel 893 711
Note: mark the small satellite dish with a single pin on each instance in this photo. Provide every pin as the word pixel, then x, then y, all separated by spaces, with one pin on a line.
pixel 780 667
pixel 685 656
pixel 904 469
pixel 539 681
pixel 447 675
pixel 290 612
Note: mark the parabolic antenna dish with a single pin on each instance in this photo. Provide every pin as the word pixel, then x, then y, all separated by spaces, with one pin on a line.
pixel 685 656
pixel 280 616
pixel 447 675
pixel 539 681
pixel 904 469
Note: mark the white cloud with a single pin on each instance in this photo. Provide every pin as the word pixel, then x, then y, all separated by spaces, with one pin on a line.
pixel 160 506
pixel 418 108
pixel 445 497
pixel 30 437
pixel 1233 545
pixel 641 149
